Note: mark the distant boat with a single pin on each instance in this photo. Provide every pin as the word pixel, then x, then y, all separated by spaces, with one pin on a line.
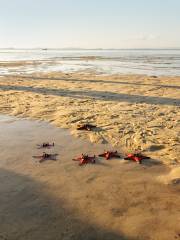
pixel 44 49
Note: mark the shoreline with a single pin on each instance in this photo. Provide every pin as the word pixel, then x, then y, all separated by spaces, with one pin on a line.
pixel 93 73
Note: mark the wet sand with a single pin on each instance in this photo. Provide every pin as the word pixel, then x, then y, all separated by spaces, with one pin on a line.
pixel 113 199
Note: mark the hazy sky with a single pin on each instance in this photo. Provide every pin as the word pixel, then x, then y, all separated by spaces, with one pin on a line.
pixel 90 23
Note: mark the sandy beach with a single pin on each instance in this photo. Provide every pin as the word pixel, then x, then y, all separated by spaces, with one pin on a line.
pixel 130 111
pixel 90 120
pixel 113 199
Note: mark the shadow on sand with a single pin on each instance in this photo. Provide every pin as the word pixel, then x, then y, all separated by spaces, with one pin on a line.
pixel 28 212
pixel 96 95
pixel 95 81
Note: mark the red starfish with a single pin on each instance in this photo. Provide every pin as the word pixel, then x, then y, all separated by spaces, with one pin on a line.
pixel 46 156
pixel 87 127
pixel 84 159
pixel 45 145
pixel 108 155
pixel 137 157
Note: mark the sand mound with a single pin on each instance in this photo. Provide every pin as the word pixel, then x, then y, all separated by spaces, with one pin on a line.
pixel 171 178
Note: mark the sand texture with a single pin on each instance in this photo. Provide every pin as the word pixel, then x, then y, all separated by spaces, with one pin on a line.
pixel 59 200
pixel 133 112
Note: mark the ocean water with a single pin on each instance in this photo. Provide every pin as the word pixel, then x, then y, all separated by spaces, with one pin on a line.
pixel 150 62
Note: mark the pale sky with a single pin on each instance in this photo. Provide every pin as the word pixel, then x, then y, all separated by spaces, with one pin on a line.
pixel 90 23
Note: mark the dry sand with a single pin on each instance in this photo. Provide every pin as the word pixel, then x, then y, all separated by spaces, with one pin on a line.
pixel 109 200
pixel 133 112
